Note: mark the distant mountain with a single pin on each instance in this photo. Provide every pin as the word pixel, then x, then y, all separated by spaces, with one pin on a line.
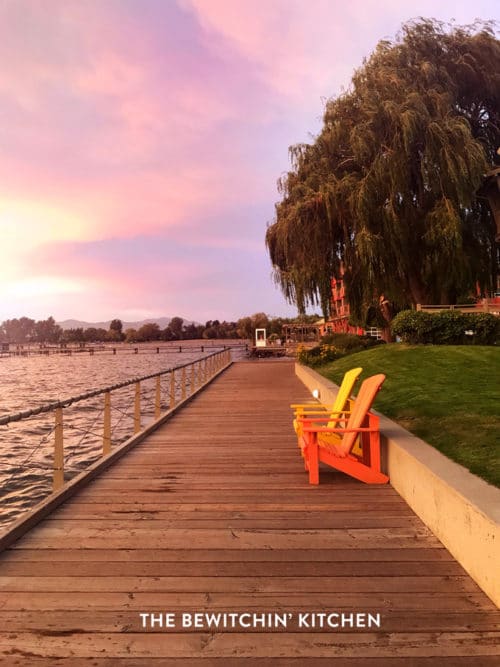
pixel 162 322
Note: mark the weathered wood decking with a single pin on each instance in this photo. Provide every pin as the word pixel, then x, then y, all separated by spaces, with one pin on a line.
pixel 213 513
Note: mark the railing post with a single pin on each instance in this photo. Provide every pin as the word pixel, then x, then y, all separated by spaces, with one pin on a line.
pixel 106 438
pixel 191 387
pixel 172 389
pixel 183 383
pixel 158 398
pixel 137 408
pixel 58 477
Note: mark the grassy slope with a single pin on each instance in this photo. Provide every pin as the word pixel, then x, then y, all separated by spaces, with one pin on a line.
pixel 447 395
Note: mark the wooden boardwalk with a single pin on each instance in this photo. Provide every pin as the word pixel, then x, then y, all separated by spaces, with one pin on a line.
pixel 213 513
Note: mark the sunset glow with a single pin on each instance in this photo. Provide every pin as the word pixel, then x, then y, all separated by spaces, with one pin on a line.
pixel 141 142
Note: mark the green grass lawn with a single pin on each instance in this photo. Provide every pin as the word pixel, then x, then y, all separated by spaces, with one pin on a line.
pixel 447 395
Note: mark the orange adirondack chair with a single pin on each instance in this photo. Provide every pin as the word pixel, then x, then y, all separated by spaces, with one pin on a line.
pixel 337 409
pixel 353 448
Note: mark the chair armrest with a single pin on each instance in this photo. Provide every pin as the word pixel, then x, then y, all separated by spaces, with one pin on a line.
pixel 323 412
pixel 326 429
pixel 314 420
pixel 306 405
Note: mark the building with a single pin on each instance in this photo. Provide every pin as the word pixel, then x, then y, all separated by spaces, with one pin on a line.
pixel 340 312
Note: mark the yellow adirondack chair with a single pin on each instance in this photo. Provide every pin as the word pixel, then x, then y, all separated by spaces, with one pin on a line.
pixel 336 410
pixel 339 446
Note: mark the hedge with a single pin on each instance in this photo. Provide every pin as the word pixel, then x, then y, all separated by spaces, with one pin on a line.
pixel 446 327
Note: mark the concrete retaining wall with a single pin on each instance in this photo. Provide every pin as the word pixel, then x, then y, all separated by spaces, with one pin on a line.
pixel 462 510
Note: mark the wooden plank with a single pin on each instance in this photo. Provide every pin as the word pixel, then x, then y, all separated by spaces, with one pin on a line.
pixel 239 539
pixel 437 602
pixel 241 568
pixel 205 488
pixel 82 510
pixel 333 556
pixel 272 522
pixel 187 645
pixel 388 661
pixel 455 661
pixel 222 584
pixel 168 496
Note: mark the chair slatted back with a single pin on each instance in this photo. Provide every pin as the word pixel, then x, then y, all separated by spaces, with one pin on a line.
pixel 362 405
pixel 343 394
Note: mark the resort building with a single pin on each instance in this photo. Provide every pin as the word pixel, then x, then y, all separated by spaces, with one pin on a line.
pixel 340 312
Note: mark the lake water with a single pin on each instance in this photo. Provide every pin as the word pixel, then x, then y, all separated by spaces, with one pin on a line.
pixel 27 447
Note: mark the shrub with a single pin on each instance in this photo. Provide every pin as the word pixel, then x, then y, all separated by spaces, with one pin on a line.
pixel 446 327
pixel 486 328
pixel 317 356
pixel 347 343
pixel 413 326
pixel 449 328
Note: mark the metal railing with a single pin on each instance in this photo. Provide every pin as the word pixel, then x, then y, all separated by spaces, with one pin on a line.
pixel 484 306
pixel 182 381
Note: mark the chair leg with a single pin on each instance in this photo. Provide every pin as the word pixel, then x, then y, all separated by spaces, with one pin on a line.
pixel 375 451
pixel 313 459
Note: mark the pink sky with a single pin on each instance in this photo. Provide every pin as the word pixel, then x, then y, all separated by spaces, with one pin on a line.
pixel 141 142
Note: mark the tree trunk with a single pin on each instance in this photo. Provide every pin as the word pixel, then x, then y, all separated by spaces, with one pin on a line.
pixel 387 312
pixel 417 292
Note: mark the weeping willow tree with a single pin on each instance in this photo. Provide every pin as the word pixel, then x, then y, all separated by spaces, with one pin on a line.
pixel 387 191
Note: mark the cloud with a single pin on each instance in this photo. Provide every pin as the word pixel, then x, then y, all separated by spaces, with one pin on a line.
pixel 120 118
pixel 161 274
pixel 300 50
pixel 141 143
pixel 307 51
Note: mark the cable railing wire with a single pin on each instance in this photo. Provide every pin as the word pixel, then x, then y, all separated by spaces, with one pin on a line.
pixel 80 447
pixel 66 402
